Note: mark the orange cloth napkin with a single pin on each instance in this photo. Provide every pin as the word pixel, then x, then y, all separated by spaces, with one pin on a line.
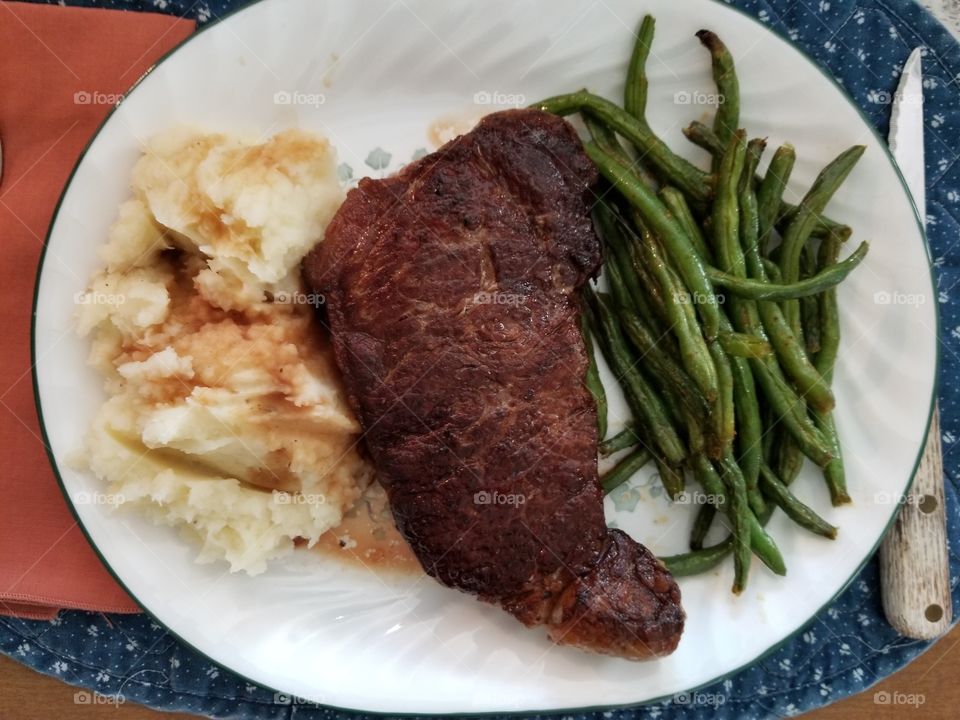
pixel 52 59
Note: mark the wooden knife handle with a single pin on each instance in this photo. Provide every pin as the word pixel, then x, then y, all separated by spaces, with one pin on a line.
pixel 914 568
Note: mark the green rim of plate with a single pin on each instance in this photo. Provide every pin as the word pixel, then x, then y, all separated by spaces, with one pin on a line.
pixel 580 709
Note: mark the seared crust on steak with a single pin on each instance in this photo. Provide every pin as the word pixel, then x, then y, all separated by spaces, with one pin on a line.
pixel 452 294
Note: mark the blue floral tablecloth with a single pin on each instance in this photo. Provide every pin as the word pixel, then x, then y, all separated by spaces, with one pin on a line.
pixel 846 649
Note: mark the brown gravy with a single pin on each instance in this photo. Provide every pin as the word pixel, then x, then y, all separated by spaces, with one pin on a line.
pixel 368 537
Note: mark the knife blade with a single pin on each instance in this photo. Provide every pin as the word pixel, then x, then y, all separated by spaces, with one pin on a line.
pixel 914 567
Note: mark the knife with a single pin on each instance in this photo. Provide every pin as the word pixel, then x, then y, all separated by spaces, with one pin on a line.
pixel 914 568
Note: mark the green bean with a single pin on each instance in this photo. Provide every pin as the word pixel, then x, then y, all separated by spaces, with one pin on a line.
pixel 676 243
pixel 702 136
pixel 791 410
pixel 635 91
pixel 770 430
pixel 789 350
pixel 647 284
pixel 755 149
pixel 789 459
pixel 671 477
pixel 750 429
pixel 726 223
pixel 726 423
pixel 770 191
pixel 798 232
pixel 793 357
pixel 726 207
pixel 694 354
pixel 824 226
pixel 631 287
pixel 727 119
pixel 766 371
pixel 747 403
pixel 624 470
pixel 663 366
pixel 814 285
pixel 732 500
pixel 701 525
pixel 696 433
pixel 773 272
pixel 670 167
pixel 801 514
pixel 593 383
pixel 677 204
pixel 742 345
pixel 698 562
pixel 606 138
pixel 826 358
pixel 603 136
pixel 740 514
pixel 626 438
pixel 644 401
pixel 762 544
pixel 709 355
pixel 809 306
pixel 622 279
pixel 834 473
pixel 618 286
pixel 704 357
pixel 764 547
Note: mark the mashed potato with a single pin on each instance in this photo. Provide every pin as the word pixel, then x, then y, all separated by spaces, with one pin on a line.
pixel 225 417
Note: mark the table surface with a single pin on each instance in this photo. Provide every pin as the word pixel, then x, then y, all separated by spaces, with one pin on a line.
pixel 27 695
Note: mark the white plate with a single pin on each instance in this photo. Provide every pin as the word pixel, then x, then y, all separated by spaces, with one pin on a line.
pixel 386 71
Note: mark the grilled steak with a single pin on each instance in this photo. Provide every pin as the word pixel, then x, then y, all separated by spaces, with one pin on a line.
pixel 452 295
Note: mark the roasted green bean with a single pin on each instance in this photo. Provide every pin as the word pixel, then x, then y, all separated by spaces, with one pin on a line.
pixel 797 511
pixel 644 402
pixel 592 380
pixel 770 191
pixel 727 120
pixel 624 439
pixel 635 90
pixel 800 228
pixel 834 473
pixel 669 167
pixel 624 470
pixel 825 279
